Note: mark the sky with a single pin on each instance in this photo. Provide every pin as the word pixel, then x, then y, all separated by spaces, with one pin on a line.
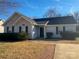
pixel 37 8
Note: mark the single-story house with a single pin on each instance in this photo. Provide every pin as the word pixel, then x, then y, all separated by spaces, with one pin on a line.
pixel 1 26
pixel 41 27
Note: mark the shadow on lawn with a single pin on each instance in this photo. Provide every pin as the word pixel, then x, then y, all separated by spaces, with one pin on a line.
pixel 12 40
pixel 56 39
pixel 38 39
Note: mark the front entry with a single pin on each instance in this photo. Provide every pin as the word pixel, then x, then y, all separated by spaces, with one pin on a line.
pixel 41 32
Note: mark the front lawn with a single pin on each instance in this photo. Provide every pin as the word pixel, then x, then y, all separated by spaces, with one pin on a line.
pixel 25 50
pixel 33 49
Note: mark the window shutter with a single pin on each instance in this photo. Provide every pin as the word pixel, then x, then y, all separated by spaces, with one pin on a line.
pixel 26 29
pixel 20 29
pixel 12 29
pixel 7 29
pixel 56 30
pixel 63 28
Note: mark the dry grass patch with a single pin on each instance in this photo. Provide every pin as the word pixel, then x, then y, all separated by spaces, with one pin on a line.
pixel 26 50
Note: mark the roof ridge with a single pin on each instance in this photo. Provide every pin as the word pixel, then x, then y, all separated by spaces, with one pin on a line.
pixel 55 17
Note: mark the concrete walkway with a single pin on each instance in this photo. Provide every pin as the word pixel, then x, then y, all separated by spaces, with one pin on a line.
pixel 66 51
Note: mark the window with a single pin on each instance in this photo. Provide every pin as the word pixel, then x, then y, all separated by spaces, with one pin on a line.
pixel 56 30
pixel 26 29
pixel 63 28
pixel 20 29
pixel 7 29
pixel 12 29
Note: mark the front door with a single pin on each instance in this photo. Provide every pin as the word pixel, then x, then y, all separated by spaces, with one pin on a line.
pixel 41 32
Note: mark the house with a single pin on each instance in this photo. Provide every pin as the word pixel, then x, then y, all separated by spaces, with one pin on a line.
pixel 1 26
pixel 39 28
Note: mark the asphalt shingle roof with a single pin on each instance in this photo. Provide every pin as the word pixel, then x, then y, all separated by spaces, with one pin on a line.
pixel 56 20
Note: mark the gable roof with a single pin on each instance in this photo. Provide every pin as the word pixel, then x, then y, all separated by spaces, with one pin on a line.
pixel 57 20
pixel 29 19
pixel 48 21
pixel 20 15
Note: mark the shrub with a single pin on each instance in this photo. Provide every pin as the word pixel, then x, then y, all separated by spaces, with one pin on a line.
pixel 23 35
pixel 68 35
pixel 13 36
pixel 49 34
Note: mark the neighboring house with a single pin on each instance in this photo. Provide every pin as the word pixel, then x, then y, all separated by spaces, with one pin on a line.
pixel 1 26
pixel 38 28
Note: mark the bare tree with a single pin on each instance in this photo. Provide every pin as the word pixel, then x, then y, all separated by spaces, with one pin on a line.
pixel 75 15
pixel 51 13
pixel 6 5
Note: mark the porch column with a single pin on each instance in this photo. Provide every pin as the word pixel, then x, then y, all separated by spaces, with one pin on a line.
pixel 44 31
pixel 33 32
